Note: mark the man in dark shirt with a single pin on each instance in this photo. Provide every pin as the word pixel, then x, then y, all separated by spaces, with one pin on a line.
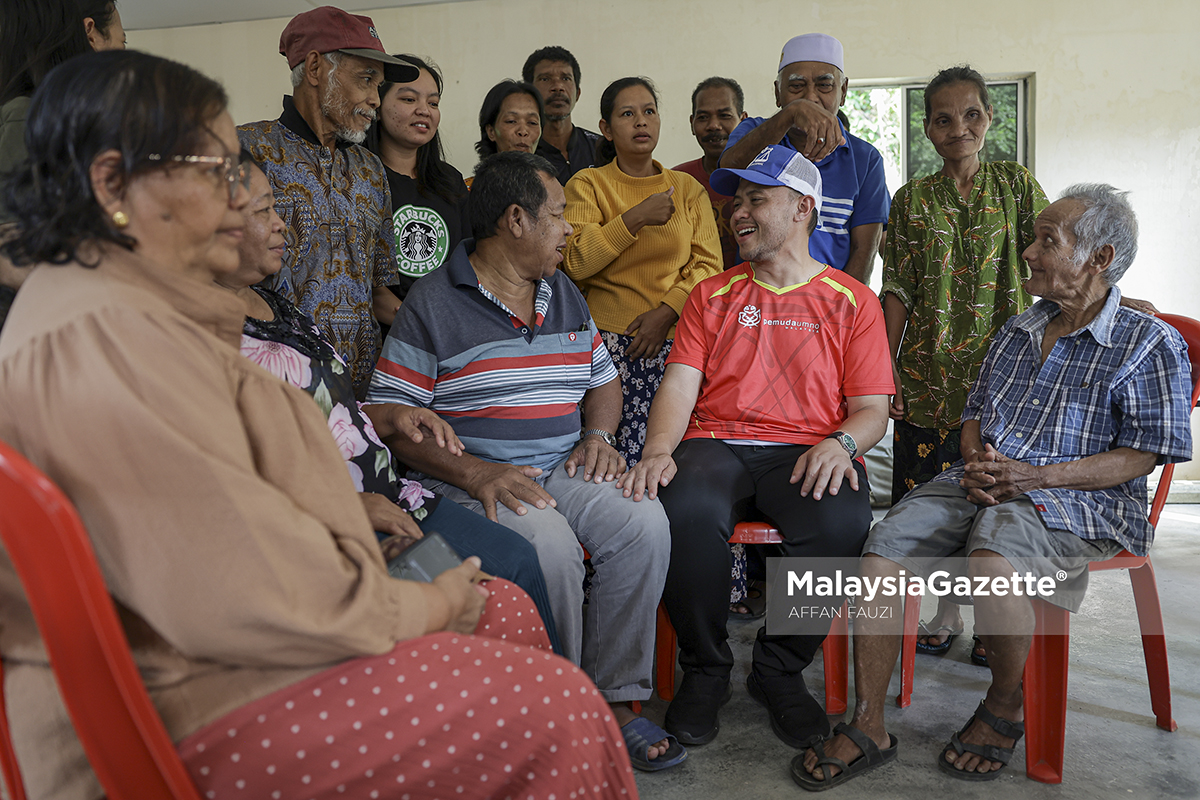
pixel 555 73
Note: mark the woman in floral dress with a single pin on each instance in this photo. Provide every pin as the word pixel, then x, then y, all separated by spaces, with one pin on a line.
pixel 284 341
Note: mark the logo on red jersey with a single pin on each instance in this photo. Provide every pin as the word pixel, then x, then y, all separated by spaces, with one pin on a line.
pixel 750 316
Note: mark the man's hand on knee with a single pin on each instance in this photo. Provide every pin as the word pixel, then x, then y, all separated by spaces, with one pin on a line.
pixel 598 458
pixel 510 484
pixel 645 478
pixel 823 467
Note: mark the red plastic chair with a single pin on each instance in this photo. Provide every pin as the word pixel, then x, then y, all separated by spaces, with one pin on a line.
pixel 836 648
pixel 120 730
pixel 1046 668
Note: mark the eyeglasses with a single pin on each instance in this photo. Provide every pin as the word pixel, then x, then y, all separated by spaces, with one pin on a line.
pixel 233 170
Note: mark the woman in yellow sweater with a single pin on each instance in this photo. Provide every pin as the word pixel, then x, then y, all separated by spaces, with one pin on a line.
pixel 644 236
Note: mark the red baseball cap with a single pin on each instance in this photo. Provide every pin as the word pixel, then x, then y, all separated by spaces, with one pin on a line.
pixel 327 29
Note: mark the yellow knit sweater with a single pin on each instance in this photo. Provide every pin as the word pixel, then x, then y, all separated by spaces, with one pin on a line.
pixel 623 275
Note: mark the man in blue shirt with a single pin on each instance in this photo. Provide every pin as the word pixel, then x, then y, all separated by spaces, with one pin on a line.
pixel 1077 400
pixel 809 88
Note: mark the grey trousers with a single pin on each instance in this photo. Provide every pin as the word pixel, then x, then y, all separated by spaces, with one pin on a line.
pixel 630 544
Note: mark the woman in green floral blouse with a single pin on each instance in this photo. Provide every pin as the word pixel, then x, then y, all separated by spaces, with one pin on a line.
pixel 952 275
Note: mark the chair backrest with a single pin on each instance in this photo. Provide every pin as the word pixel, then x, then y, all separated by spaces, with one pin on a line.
pixel 1189 329
pixel 120 729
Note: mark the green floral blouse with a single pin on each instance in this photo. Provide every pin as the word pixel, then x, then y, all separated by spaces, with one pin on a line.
pixel 956 266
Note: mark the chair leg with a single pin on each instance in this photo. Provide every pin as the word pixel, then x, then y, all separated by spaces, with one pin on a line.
pixel 1046 693
pixel 664 650
pixel 837 663
pixel 1154 643
pixel 908 650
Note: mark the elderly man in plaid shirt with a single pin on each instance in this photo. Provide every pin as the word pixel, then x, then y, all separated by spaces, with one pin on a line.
pixel 1077 401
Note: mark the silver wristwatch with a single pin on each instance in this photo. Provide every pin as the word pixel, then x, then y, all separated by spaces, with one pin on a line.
pixel 603 434
pixel 846 441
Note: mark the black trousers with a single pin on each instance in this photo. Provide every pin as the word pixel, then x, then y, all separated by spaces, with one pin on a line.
pixel 716 485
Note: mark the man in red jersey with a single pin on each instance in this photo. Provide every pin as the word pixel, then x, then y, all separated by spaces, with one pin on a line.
pixel 778 380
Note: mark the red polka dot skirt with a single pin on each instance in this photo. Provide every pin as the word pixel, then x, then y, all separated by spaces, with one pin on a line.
pixel 442 716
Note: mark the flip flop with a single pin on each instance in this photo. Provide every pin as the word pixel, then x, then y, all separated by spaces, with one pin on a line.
pixel 639 735
pixel 935 649
pixel 871 758
pixel 1004 727
pixel 976 659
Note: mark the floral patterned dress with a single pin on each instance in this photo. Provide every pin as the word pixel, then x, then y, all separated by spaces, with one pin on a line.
pixel 292 348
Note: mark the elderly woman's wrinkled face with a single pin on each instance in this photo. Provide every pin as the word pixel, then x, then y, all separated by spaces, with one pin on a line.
pixel 958 121
pixel 262 248
pixel 185 216
pixel 1055 272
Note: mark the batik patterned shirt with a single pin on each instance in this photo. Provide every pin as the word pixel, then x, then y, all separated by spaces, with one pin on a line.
pixel 1122 380
pixel 340 244
pixel 956 266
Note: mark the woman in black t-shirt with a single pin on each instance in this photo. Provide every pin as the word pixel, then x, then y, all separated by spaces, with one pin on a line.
pixel 429 198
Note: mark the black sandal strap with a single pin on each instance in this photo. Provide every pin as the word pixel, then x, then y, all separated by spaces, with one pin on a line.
pixel 869 749
pixel 989 751
pixel 1004 727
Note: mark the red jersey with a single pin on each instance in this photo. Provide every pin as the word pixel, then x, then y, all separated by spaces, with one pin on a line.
pixel 779 364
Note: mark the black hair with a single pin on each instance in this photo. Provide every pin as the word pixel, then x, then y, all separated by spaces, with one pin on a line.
pixel 960 74
pixel 717 82
pixel 36 36
pixel 489 112
pixel 433 174
pixel 551 53
pixel 502 180
pixel 606 151
pixel 123 100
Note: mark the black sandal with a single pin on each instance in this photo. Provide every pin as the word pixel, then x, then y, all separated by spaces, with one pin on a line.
pixel 1004 727
pixel 871 758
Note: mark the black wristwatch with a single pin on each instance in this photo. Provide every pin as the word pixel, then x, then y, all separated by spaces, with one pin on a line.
pixel 846 441
pixel 605 435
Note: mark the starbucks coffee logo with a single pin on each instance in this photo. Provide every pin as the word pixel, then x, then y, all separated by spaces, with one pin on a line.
pixel 422 240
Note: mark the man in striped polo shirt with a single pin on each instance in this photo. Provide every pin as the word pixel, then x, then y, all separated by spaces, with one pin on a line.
pixel 501 344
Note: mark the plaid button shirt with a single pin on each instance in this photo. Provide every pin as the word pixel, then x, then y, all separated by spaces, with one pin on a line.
pixel 1120 381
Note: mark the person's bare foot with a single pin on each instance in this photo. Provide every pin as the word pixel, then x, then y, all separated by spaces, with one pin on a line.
pixel 841 747
pixel 625 715
pixel 980 733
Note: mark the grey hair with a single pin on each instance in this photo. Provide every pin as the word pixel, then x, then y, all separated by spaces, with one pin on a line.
pixel 1107 218
pixel 333 57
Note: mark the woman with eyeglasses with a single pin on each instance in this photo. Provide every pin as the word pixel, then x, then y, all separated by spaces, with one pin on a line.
pixel 279 653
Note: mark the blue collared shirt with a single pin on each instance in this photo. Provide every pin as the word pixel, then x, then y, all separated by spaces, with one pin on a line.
pixel 853 192
pixel 1123 380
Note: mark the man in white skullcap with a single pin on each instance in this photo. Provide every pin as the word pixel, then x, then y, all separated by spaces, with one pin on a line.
pixel 809 88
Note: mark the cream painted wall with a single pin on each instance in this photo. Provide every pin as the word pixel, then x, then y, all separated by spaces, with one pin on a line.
pixel 1115 88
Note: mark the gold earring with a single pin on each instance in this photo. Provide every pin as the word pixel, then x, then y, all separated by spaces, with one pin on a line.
pixel 120 219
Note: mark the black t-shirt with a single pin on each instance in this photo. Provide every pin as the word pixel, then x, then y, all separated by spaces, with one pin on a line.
pixel 581 152
pixel 427 226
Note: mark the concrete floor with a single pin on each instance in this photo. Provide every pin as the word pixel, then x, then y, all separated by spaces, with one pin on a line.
pixel 1113 748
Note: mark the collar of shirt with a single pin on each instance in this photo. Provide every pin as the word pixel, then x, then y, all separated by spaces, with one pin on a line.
pixel 462 274
pixel 1101 327
pixel 291 119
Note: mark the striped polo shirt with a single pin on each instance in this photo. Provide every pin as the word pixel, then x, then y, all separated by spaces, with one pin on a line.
pixel 511 390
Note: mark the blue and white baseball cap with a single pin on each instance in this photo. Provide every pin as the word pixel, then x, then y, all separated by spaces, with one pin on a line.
pixel 776 165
